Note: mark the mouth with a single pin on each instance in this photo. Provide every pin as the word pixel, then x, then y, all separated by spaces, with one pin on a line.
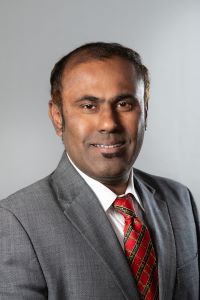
pixel 109 147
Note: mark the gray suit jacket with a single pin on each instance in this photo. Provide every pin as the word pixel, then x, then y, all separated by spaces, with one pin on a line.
pixel 56 242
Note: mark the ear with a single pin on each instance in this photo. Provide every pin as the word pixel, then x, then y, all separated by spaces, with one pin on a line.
pixel 56 117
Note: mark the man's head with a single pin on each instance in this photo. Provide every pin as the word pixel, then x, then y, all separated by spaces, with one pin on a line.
pixel 99 105
pixel 96 51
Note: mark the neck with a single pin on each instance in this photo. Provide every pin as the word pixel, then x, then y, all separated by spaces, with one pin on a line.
pixel 118 189
pixel 117 186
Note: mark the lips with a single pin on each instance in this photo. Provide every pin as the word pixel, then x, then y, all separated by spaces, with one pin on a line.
pixel 108 147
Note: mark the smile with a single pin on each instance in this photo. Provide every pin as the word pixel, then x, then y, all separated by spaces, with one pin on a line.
pixel 108 146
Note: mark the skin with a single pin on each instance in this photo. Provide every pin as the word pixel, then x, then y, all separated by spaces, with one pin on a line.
pixel 103 109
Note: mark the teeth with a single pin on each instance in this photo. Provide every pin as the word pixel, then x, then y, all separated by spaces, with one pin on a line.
pixel 107 146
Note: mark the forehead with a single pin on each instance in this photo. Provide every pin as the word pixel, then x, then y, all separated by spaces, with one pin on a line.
pixel 98 70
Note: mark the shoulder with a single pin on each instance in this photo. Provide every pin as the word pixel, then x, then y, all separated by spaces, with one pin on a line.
pixel 31 209
pixel 29 197
pixel 159 183
pixel 178 198
pixel 176 195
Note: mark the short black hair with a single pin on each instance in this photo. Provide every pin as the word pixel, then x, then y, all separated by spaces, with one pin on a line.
pixel 97 51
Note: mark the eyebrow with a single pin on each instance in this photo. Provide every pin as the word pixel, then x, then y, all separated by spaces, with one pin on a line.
pixel 124 96
pixel 88 97
pixel 113 99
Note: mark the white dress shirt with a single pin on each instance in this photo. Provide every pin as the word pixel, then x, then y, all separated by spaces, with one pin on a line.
pixel 106 197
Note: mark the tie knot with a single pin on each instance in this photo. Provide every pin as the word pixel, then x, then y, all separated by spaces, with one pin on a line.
pixel 124 205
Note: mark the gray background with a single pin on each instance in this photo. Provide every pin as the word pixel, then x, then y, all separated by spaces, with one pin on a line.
pixel 35 34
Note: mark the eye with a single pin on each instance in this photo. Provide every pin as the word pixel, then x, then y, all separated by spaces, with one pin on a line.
pixel 125 105
pixel 88 107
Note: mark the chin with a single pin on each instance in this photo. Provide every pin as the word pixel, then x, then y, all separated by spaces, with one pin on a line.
pixel 110 174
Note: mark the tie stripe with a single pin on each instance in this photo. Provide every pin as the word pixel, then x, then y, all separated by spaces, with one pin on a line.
pixel 143 263
pixel 125 210
pixel 127 235
pixel 137 246
pixel 139 250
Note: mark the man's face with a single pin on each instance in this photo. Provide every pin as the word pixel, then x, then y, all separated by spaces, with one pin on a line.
pixel 103 109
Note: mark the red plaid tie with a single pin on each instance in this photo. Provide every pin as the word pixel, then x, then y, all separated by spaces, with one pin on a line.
pixel 139 249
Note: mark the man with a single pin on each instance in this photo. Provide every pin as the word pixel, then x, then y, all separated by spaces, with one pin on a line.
pixel 96 228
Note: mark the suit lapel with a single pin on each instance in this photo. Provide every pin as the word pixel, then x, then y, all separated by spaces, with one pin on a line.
pixel 84 211
pixel 158 220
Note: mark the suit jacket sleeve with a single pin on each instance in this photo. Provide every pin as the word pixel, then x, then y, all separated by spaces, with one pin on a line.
pixel 20 274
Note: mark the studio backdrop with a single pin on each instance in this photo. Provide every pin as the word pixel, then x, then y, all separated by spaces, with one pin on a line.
pixel 35 34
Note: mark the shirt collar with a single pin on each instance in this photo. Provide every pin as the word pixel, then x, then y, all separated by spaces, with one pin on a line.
pixel 104 194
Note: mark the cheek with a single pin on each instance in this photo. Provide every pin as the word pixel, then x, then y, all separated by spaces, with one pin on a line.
pixel 76 130
pixel 135 129
pixel 133 124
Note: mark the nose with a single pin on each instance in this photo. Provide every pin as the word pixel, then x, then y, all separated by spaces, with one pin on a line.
pixel 108 120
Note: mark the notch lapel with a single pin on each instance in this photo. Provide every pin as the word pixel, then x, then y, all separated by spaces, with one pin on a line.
pixel 82 208
pixel 158 220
